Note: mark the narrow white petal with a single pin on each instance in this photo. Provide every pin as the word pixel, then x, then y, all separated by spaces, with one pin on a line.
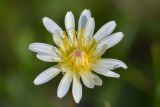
pixel 64 84
pixel 96 80
pixel 42 48
pixel 46 75
pixel 69 21
pixel 105 30
pixel 50 25
pixel 70 24
pixel 112 39
pixel 87 80
pixel 105 72
pixel 105 66
pixel 77 89
pixel 49 57
pixel 110 64
pixel 85 15
pixel 57 38
pixel 108 42
pixel 89 29
pixel 100 50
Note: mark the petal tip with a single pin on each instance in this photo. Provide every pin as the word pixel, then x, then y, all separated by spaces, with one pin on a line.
pixel 92 18
pixel 86 12
pixel 115 75
pixel 101 83
pixel 77 100
pixel 35 82
pixel 45 18
pixel 125 66
pixel 121 33
pixel 118 76
pixel 69 13
pixel 31 47
pixel 59 95
pixel 113 23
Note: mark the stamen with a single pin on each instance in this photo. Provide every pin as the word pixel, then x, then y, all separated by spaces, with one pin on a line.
pixel 66 41
pixel 74 42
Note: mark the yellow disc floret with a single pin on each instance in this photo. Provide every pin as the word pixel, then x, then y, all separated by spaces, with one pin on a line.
pixel 77 54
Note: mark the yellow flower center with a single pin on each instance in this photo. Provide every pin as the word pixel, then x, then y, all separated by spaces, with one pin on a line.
pixel 77 54
pixel 78 61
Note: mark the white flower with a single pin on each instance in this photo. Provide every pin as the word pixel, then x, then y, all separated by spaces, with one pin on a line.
pixel 78 54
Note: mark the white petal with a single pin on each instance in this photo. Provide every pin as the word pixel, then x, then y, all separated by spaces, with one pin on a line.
pixel 96 80
pixel 50 25
pixel 106 72
pixel 64 84
pixel 110 64
pixel 57 38
pixel 70 24
pixel 100 50
pixel 69 21
pixel 85 15
pixel 105 30
pixel 108 42
pixel 89 29
pixel 77 89
pixel 42 48
pixel 87 80
pixel 48 57
pixel 105 65
pixel 46 75
pixel 112 39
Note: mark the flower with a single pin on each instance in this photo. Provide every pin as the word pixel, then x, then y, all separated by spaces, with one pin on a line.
pixel 78 54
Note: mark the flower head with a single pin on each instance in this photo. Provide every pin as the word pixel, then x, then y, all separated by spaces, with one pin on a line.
pixel 78 53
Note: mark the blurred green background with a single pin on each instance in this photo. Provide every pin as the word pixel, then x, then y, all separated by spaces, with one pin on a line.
pixel 21 24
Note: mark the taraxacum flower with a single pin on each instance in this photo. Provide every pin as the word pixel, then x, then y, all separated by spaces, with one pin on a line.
pixel 78 54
